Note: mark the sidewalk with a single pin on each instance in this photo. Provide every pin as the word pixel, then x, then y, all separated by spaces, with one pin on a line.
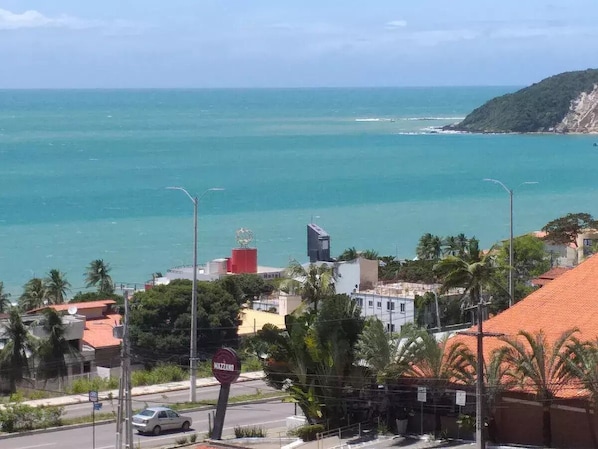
pixel 138 391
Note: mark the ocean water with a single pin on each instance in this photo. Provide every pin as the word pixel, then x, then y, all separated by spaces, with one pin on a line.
pixel 83 175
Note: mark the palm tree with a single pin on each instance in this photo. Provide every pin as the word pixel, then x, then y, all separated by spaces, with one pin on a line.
pixel 98 275
pixel 13 357
pixel 56 286
pixel 376 348
pixel 369 254
pixel 349 254
pixel 582 365
pixel 472 277
pixel 53 349
pixel 462 244
pixel 34 295
pixel 450 246
pixel 312 283
pixel 435 364
pixel 5 303
pixel 429 247
pixel 541 367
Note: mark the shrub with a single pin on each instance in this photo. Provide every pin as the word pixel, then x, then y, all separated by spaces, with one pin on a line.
pixel 308 432
pixel 161 374
pixel 251 364
pixel 83 385
pixel 15 417
pixel 181 440
pixel 250 432
pixel 193 438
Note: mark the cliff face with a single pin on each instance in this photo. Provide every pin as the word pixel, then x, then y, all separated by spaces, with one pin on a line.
pixel 563 103
pixel 583 114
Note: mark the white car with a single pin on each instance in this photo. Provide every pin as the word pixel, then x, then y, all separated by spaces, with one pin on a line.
pixel 156 419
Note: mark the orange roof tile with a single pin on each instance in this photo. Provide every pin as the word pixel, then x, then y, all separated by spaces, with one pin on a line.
pixel 98 333
pixel 78 305
pixel 549 276
pixel 569 301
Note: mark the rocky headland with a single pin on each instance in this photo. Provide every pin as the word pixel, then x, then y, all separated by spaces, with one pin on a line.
pixel 564 103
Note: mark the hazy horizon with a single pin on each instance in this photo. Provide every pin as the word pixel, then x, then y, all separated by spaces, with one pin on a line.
pixel 268 44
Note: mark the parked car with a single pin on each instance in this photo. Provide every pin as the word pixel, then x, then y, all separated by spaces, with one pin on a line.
pixel 156 419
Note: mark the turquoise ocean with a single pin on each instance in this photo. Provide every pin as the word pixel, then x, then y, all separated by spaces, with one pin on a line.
pixel 83 175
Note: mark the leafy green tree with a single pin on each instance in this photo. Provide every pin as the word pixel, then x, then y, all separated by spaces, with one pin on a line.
pixel 98 275
pixel 529 261
pixel 376 348
pixel 418 271
pixel 97 296
pixel 582 366
pixel 435 364
pixel 245 287
pixel 429 247
pixel 161 319
pixel 542 367
pixel 463 244
pixel 450 246
pixel 34 295
pixel 313 357
pixel 14 363
pixel 55 348
pixel 5 303
pixel 312 283
pixel 56 286
pixel 564 230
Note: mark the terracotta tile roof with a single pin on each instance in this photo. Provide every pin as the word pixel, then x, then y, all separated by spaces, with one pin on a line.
pixel 550 275
pixel 78 305
pixel 570 301
pixel 98 333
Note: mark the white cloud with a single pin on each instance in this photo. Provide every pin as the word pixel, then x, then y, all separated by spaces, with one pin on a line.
pixel 34 19
pixel 394 24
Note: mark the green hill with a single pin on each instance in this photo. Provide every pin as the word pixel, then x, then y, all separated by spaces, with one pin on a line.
pixel 540 107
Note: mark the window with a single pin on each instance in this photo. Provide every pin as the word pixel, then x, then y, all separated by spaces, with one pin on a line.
pixel 402 308
pixel 379 304
pixel 390 327
pixel 370 303
pixel 162 414
pixel 172 414
pixel 390 305
pixel 360 302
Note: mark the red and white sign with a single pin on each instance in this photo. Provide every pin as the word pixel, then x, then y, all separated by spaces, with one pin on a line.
pixel 226 366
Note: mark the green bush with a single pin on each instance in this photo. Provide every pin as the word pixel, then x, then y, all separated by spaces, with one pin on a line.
pixel 181 440
pixel 193 438
pixel 84 385
pixel 16 417
pixel 250 364
pixel 161 374
pixel 250 432
pixel 309 432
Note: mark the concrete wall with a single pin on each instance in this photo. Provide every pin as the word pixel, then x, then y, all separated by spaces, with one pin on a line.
pixel 391 310
pixel 520 421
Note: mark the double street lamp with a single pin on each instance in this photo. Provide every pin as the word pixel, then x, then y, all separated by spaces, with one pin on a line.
pixel 193 350
pixel 510 192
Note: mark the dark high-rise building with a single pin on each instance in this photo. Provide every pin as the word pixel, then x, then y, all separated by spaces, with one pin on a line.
pixel 318 244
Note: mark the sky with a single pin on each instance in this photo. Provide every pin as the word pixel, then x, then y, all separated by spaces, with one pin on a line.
pixel 308 43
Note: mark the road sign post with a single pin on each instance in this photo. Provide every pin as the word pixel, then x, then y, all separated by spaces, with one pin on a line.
pixel 421 397
pixel 226 367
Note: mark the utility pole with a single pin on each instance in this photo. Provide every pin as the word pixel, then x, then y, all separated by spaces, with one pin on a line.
pixel 480 386
pixel 125 404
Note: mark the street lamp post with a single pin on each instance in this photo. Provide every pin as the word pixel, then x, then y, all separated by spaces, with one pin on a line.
pixel 510 192
pixel 193 347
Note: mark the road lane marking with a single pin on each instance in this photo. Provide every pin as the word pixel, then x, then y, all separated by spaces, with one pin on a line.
pixel 37 445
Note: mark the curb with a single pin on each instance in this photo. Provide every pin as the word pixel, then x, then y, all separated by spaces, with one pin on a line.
pixel 142 391
pixel 108 421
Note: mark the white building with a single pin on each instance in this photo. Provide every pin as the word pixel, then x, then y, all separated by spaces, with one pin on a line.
pixel 393 304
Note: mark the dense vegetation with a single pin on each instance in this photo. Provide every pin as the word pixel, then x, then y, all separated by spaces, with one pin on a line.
pixel 537 108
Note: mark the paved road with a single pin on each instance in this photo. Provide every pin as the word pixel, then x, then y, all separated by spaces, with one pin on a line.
pixel 237 389
pixel 270 415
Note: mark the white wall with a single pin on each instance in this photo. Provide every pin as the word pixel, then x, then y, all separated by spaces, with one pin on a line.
pixel 378 306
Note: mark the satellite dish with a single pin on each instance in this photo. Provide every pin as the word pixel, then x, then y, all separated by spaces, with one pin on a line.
pixel 72 310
